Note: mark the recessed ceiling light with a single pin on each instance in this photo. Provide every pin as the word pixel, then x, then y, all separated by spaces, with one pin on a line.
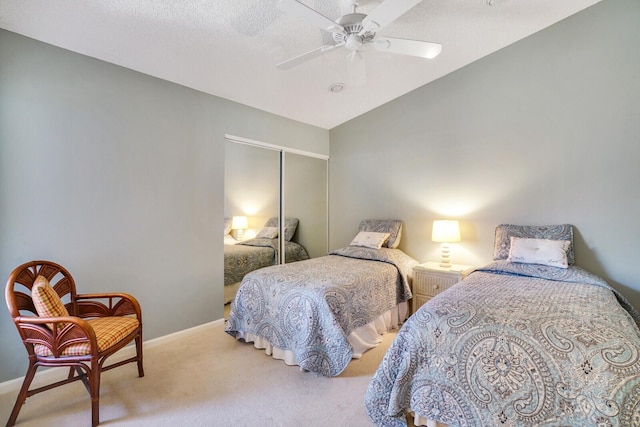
pixel 336 87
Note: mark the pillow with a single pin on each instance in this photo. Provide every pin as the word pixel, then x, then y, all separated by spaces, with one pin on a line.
pixel 227 225
pixel 47 301
pixel 539 251
pixel 504 232
pixel 290 225
pixel 391 226
pixel 369 239
pixel 267 233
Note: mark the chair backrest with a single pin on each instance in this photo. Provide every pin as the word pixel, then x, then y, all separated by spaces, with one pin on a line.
pixel 19 301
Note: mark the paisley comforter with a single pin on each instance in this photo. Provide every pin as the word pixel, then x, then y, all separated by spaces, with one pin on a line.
pixel 249 255
pixel 310 307
pixel 515 345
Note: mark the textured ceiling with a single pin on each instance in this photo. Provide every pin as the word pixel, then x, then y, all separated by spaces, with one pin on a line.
pixel 229 48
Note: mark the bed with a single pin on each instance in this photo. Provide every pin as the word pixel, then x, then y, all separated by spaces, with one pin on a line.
pixel 517 343
pixel 242 257
pixel 321 313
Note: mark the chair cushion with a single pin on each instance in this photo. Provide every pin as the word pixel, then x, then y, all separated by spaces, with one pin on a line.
pixel 109 332
pixel 47 301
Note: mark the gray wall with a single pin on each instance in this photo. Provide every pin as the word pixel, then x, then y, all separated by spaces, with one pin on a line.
pixel 119 177
pixel 544 131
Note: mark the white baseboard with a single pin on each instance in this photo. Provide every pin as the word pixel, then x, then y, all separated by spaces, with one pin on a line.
pixel 49 375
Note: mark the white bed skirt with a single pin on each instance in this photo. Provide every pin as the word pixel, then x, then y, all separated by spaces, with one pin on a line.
pixel 418 421
pixel 230 292
pixel 361 339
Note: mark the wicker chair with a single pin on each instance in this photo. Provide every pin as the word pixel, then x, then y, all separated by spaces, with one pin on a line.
pixel 92 328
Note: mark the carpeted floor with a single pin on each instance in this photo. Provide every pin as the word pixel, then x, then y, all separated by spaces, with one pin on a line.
pixel 203 377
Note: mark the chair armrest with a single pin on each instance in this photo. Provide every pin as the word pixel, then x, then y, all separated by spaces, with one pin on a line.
pixel 116 304
pixel 65 331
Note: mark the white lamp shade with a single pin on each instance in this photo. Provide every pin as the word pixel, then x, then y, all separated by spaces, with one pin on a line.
pixel 239 223
pixel 446 231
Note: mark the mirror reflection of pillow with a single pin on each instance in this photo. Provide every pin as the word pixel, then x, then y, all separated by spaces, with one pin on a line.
pixel 369 239
pixel 539 251
pixel 290 225
pixel 227 225
pixel 267 233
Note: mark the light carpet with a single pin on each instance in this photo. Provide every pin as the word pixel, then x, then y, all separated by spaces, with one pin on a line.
pixel 203 377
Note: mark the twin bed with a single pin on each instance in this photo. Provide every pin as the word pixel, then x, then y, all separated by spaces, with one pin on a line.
pixel 321 313
pixel 515 344
pixel 529 339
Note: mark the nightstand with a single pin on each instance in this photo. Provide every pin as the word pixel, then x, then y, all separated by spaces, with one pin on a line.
pixel 429 279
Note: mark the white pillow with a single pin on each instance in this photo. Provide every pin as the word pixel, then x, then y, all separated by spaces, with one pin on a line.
pixel 370 239
pixel 267 233
pixel 539 251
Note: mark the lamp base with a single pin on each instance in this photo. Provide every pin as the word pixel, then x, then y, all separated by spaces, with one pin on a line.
pixel 238 234
pixel 445 258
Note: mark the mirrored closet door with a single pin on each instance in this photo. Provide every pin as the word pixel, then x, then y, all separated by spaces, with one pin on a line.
pixel 251 188
pixel 305 197
pixel 266 187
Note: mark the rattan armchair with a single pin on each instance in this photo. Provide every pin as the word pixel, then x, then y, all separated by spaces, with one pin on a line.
pixel 96 327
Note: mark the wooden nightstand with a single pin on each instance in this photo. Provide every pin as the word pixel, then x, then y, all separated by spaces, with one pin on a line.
pixel 429 279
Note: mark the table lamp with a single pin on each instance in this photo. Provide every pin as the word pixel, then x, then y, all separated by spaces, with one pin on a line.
pixel 239 223
pixel 445 232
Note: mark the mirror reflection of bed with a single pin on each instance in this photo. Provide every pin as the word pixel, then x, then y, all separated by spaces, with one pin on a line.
pixel 260 182
pixel 244 256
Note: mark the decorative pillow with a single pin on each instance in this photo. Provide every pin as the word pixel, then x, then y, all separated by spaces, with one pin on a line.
pixel 46 300
pixel 504 232
pixel 227 225
pixel 267 233
pixel 539 251
pixel 391 226
pixel 369 239
pixel 290 225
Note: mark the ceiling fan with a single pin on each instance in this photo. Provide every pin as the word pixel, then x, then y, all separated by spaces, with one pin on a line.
pixel 354 30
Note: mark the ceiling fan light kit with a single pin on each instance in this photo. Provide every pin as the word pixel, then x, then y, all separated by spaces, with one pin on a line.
pixel 354 30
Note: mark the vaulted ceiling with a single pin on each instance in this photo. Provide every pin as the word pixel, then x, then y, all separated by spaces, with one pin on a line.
pixel 229 48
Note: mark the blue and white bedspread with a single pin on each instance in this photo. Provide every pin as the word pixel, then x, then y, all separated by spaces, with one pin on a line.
pixel 310 307
pixel 515 345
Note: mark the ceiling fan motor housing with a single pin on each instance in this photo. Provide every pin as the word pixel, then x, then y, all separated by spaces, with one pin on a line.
pixel 352 24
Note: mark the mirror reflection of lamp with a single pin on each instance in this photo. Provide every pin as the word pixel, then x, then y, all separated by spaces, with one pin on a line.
pixel 239 224
pixel 445 232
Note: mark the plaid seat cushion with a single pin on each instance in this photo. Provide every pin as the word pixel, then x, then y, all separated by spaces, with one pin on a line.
pixel 109 331
pixel 47 301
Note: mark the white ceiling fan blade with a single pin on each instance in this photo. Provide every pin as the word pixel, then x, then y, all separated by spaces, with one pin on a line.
pixel 356 68
pixel 387 12
pixel 297 60
pixel 301 11
pixel 419 48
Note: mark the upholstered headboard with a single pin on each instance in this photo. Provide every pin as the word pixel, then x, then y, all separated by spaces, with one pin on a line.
pixel 504 232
